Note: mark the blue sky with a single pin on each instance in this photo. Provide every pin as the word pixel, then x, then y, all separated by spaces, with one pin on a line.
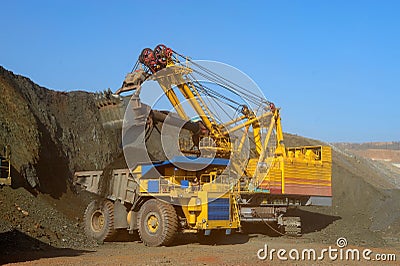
pixel 332 66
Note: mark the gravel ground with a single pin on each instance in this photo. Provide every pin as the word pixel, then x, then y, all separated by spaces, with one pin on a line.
pixel 36 218
pixel 235 250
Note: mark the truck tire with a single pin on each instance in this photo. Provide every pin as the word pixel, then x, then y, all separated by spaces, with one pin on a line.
pixel 99 220
pixel 158 223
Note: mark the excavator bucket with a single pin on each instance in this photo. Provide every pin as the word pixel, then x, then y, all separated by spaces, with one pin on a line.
pixel 112 106
pixel 112 109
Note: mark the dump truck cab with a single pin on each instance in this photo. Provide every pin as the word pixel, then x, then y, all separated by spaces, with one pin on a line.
pixel 205 199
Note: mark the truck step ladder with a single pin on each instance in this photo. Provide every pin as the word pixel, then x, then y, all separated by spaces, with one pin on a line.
pixel 5 167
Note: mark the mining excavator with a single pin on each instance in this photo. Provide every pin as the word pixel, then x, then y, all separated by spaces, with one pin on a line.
pixel 222 160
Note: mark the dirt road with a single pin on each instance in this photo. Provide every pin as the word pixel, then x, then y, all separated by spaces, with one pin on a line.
pixel 239 249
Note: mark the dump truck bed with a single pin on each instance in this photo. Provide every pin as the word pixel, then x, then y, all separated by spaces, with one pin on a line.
pixel 122 184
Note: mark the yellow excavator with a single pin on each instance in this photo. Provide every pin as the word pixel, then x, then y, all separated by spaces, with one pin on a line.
pixel 229 164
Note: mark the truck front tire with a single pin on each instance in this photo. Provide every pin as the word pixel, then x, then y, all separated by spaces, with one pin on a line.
pixel 158 223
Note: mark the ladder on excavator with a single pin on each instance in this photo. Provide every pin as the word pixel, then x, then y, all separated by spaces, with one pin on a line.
pixel 5 167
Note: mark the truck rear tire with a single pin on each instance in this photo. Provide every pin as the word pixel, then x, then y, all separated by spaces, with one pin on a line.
pixel 99 220
pixel 158 223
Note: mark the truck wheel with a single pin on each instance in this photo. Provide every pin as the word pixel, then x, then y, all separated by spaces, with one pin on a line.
pixel 99 220
pixel 158 223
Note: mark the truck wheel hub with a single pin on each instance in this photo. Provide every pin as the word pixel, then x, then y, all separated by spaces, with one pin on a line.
pixel 152 223
pixel 98 221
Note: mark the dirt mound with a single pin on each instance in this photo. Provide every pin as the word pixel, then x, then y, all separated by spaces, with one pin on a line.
pixel 384 156
pixel 36 217
pixel 51 133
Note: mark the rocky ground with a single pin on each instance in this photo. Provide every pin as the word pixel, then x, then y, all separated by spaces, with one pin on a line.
pixel 41 218
pixel 53 134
